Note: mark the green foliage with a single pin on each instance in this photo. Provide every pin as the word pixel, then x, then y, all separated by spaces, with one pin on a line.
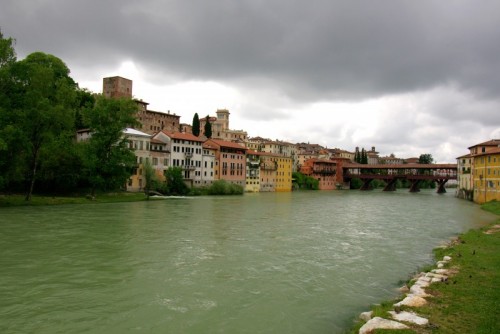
pixel 208 128
pixel 7 52
pixel 37 112
pixel 222 187
pixel 356 183
pixel 174 182
pixel 150 178
pixel 305 182
pixel 196 125
pixel 426 159
pixel 107 160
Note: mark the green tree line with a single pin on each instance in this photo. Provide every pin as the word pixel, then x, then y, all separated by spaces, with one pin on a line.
pixel 41 108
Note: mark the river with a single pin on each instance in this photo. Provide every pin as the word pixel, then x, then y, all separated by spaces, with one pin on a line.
pixel 301 262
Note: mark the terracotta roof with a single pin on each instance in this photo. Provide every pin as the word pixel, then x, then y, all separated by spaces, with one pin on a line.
pixel 492 142
pixel 465 156
pixel 224 143
pixel 323 161
pixel 183 136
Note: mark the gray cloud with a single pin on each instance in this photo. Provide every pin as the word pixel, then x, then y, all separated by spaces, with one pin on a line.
pixel 320 49
pixel 283 55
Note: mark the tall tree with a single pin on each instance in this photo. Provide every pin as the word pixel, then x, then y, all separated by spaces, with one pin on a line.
pixel 7 131
pixel 175 181
pixel 7 52
pixel 150 177
pixel 196 125
pixel 364 157
pixel 108 160
pixel 208 127
pixel 42 99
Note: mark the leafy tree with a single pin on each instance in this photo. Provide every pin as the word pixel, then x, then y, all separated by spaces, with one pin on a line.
pixel 107 159
pixel 7 52
pixel 196 125
pixel 426 159
pixel 150 177
pixel 41 97
pixel 208 128
pixel 7 135
pixel 175 181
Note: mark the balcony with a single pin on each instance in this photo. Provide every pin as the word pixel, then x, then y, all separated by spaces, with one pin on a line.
pixel 190 168
pixel 253 164
pixel 324 171
pixel 188 155
pixel 268 166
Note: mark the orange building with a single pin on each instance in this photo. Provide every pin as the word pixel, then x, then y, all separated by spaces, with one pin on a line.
pixel 323 170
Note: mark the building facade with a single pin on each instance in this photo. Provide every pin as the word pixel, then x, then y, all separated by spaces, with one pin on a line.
pixel 253 171
pixel 230 161
pixel 186 152
pixel 323 170
pixel 485 159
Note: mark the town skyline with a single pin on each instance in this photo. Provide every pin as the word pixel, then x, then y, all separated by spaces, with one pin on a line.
pixel 336 74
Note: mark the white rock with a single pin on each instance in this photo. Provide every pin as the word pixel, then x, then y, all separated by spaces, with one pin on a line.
pixel 365 316
pixel 440 265
pixel 412 301
pixel 436 280
pixel 446 258
pixel 418 291
pixel 380 323
pixel 423 283
pixel 409 317
pixel 424 279
pixel 441 271
pixel 433 275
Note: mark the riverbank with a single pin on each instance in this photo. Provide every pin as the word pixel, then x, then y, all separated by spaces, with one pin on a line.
pixel 39 200
pixel 459 295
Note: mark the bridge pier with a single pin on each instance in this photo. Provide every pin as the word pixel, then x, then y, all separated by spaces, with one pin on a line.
pixel 366 184
pixel 391 185
pixel 441 182
pixel 414 188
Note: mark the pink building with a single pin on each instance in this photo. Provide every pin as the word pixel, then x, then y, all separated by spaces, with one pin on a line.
pixel 230 161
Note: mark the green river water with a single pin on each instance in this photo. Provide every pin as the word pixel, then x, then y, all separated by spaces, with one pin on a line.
pixel 301 262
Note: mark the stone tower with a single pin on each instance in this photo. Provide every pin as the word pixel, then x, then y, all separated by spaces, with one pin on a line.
pixel 116 87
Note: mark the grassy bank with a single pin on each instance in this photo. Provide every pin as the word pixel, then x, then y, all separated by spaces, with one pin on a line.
pixel 18 200
pixel 469 301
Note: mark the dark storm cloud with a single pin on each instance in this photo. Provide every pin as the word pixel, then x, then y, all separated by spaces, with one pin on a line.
pixel 436 62
pixel 310 50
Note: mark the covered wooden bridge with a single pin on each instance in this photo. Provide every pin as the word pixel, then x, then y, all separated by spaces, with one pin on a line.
pixel 415 173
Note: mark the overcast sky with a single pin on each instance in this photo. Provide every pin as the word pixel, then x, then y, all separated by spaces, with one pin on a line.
pixel 408 77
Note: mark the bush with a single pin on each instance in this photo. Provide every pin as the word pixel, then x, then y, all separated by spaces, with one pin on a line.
pixel 222 187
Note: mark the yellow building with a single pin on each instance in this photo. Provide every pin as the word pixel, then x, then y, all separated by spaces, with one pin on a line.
pixel 253 171
pixel 486 171
pixel 283 173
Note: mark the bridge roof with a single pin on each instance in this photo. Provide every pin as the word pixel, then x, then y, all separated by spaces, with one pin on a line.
pixel 401 166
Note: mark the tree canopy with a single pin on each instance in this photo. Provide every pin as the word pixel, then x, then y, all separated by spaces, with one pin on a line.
pixel 108 158
pixel 426 159
pixel 208 127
